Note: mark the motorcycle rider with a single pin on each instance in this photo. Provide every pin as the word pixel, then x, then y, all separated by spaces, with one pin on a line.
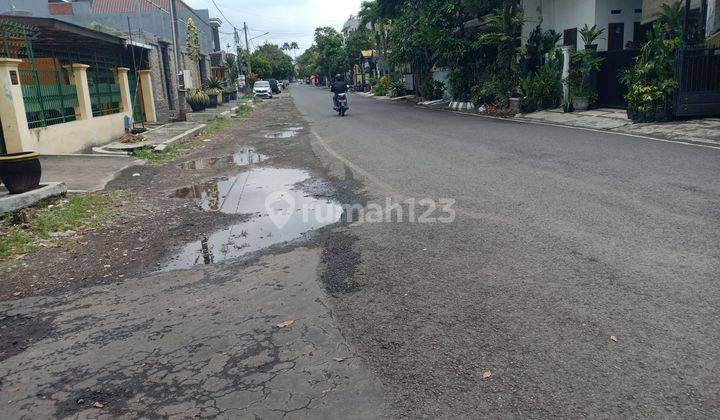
pixel 339 86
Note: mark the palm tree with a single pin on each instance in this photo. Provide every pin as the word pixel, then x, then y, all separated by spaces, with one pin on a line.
pixel 285 46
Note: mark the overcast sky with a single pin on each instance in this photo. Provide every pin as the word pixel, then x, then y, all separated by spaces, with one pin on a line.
pixel 286 20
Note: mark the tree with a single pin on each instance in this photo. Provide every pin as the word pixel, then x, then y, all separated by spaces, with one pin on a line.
pixel 281 66
pixel 193 46
pixel 231 63
pixel 307 62
pixel 331 55
pixel 261 66
pixel 356 42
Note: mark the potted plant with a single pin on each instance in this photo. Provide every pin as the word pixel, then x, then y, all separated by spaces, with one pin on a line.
pixel 589 35
pixel 20 172
pixel 214 90
pixel 197 99
pixel 227 94
pixel 584 63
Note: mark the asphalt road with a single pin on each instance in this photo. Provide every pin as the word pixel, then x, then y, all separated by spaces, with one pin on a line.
pixel 563 239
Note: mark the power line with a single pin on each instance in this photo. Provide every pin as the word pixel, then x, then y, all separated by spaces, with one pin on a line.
pixel 222 14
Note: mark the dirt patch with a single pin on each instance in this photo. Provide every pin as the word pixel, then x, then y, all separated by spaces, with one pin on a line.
pixel 148 227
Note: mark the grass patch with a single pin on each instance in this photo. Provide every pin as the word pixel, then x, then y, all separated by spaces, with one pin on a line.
pixel 244 110
pixel 21 231
pixel 214 126
pixel 170 153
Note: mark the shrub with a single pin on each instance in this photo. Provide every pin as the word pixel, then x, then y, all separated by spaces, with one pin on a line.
pixel 382 87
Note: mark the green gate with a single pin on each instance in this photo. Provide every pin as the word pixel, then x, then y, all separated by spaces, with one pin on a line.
pixel 135 93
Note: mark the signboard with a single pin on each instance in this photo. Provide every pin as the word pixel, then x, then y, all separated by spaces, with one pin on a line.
pixel 241 81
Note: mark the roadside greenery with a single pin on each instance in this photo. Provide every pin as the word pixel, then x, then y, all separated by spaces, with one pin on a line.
pixel 170 153
pixel 22 232
pixel 651 82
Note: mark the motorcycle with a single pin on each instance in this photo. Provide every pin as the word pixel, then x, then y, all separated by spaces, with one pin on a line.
pixel 342 104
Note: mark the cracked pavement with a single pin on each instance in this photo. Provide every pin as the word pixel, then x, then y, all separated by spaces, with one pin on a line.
pixel 201 344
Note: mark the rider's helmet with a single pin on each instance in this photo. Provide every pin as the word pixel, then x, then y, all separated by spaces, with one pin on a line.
pixel 338 77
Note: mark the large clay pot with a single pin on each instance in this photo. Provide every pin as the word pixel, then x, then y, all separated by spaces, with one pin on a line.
pixel 581 103
pixel 20 172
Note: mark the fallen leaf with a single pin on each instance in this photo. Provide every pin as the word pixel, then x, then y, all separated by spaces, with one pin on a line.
pixel 339 359
pixel 98 405
pixel 287 323
pixel 613 338
pixel 487 375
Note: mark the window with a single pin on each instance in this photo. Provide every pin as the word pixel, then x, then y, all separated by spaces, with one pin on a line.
pixel 570 37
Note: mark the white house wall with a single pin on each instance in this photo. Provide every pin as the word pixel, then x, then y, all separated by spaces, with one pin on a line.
pixel 558 14
pixel 567 14
pixel 627 15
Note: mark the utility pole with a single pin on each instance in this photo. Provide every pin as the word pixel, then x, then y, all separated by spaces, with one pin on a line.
pixel 182 107
pixel 247 50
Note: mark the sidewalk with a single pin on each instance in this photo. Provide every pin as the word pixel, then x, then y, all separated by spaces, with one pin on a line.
pixel 704 131
pixel 701 131
pixel 84 173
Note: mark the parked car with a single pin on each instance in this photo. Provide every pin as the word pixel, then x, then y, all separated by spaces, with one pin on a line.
pixel 285 84
pixel 262 89
pixel 274 86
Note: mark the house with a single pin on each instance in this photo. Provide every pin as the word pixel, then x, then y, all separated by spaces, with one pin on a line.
pixel 621 20
pixel 150 26
pixel 68 88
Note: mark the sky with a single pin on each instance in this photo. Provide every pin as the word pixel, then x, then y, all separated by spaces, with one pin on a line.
pixel 285 20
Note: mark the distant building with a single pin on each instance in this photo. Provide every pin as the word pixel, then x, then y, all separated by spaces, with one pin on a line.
pixel 350 25
pixel 149 22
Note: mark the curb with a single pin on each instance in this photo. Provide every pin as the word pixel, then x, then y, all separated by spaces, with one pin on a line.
pixel 182 136
pixel 596 130
pixel 10 203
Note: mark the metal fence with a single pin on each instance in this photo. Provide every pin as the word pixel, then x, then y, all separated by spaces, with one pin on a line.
pixel 104 91
pixel 698 76
pixel 49 96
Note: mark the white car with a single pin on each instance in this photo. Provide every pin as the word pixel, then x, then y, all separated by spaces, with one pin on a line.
pixel 262 89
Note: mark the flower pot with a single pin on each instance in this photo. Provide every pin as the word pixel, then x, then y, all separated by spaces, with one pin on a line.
pixel 581 103
pixel 549 103
pixel 197 107
pixel 649 116
pixel 527 108
pixel 591 47
pixel 20 172
pixel 661 114
pixel 213 101
pixel 514 104
pixel 226 97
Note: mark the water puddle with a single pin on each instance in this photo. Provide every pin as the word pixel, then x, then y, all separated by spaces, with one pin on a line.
pixel 283 134
pixel 243 157
pixel 280 213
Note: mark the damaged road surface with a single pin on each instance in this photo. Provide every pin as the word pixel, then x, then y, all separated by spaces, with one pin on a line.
pixel 219 312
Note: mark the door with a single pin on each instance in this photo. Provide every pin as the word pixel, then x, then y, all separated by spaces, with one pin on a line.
pixel 570 37
pixel 616 36
pixel 611 92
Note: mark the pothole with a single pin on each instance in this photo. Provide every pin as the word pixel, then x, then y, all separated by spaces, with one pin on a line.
pixel 283 134
pixel 243 157
pixel 280 211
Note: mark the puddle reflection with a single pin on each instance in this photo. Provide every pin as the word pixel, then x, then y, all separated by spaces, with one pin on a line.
pixel 280 212
pixel 283 134
pixel 243 157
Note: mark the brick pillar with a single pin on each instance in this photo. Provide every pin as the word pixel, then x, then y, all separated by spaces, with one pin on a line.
pixel 78 77
pixel 12 109
pixel 125 99
pixel 148 98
